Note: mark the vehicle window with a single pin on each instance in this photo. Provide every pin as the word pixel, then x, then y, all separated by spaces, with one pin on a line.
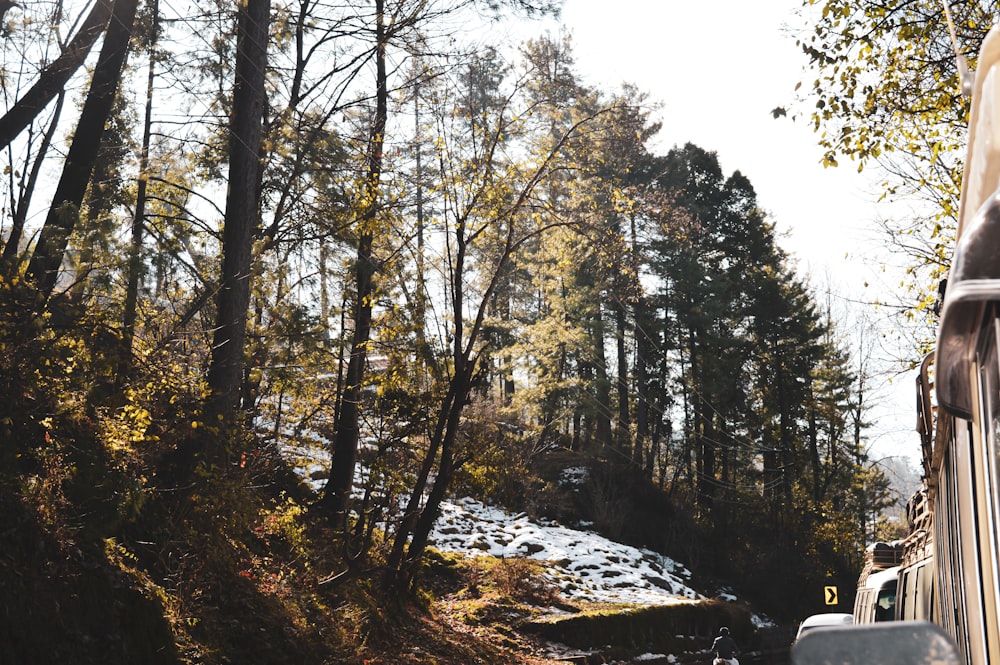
pixel 885 606
pixel 906 600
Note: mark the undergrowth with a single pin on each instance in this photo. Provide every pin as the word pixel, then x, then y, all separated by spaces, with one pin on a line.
pixel 227 569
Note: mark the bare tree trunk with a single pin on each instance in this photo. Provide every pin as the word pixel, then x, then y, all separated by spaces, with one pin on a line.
pixel 336 494
pixel 20 214
pixel 135 249
pixel 53 79
pixel 420 297
pixel 702 422
pixel 468 351
pixel 43 269
pixel 442 438
pixel 446 471
pixel 623 426
pixel 242 208
pixel 602 391
pixel 643 352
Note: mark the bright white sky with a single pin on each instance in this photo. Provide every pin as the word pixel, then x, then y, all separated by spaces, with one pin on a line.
pixel 719 67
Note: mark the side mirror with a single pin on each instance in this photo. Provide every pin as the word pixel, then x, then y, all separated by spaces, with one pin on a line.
pixel 889 643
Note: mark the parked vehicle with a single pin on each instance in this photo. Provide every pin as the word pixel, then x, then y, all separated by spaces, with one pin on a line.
pixel 824 621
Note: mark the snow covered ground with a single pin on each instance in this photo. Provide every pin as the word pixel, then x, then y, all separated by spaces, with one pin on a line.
pixel 584 565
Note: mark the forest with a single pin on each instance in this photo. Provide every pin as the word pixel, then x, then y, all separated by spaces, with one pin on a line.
pixel 236 235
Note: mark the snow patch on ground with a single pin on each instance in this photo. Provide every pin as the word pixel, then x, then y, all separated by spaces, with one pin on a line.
pixel 576 475
pixel 585 566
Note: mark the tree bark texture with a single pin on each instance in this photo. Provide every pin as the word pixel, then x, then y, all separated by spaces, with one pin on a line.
pixel 138 218
pixel 336 494
pixel 53 79
pixel 43 269
pixel 242 208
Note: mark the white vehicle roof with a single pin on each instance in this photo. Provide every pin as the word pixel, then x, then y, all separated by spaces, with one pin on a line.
pixel 876 580
pixel 829 619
